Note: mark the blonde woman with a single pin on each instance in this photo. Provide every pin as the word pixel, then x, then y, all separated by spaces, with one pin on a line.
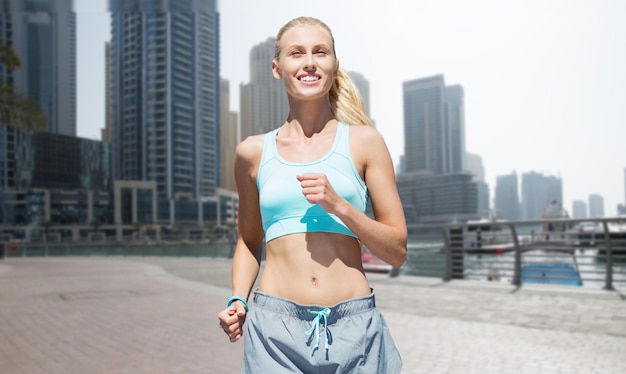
pixel 303 189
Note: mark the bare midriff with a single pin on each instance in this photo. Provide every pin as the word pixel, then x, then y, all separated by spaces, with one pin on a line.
pixel 314 268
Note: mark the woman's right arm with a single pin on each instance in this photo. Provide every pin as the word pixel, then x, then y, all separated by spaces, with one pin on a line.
pixel 249 247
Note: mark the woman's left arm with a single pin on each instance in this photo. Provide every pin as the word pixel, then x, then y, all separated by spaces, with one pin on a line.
pixel 386 235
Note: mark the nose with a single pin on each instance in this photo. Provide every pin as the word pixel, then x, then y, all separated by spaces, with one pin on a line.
pixel 309 62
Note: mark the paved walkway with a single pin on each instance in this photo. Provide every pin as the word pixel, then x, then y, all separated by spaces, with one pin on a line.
pixel 158 315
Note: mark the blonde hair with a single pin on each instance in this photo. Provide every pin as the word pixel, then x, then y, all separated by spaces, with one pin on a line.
pixel 346 102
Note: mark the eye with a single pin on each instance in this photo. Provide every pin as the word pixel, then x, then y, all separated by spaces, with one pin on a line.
pixel 295 52
pixel 321 52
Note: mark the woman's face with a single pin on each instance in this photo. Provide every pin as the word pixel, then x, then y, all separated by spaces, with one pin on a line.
pixel 306 62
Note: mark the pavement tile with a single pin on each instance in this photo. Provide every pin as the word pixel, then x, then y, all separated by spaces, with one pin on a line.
pixel 159 315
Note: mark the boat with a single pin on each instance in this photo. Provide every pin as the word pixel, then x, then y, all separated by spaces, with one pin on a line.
pixel 487 236
pixel 557 222
pixel 373 264
pixel 594 234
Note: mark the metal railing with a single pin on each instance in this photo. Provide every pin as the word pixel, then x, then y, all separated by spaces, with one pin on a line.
pixel 575 252
pixel 590 252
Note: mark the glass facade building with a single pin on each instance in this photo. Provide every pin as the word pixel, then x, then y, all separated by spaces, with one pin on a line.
pixel 434 185
pixel 263 101
pixel 62 179
pixel 434 126
pixel 428 198
pixel 538 192
pixel 506 202
pixel 164 97
pixel 43 34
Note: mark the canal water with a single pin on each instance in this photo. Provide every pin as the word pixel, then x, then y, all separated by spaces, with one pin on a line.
pixel 427 259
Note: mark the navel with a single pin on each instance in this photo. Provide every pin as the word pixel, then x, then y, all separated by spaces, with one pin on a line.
pixel 314 281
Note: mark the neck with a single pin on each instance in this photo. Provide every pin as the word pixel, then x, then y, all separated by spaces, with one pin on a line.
pixel 312 117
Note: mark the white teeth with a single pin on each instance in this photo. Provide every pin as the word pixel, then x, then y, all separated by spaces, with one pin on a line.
pixel 309 78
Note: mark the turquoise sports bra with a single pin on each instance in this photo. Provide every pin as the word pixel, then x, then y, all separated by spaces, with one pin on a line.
pixel 285 210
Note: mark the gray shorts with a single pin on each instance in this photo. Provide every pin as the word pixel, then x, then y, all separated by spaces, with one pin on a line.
pixel 281 336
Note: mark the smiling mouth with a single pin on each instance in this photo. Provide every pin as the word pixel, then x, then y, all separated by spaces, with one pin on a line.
pixel 309 78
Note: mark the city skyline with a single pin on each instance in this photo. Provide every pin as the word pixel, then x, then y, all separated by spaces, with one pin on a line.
pixel 546 98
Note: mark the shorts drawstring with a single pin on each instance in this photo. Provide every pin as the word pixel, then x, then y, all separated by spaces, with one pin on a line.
pixel 315 327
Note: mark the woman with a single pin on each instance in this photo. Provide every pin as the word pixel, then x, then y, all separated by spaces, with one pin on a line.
pixel 303 189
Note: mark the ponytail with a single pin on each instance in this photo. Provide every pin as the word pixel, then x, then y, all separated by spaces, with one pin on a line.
pixel 346 102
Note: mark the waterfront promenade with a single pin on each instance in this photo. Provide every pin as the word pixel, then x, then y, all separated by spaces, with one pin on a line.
pixel 159 315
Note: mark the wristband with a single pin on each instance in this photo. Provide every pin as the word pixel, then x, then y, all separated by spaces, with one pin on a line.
pixel 233 298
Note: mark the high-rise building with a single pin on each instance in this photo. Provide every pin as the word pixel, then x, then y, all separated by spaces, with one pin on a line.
pixel 579 209
pixel 538 192
pixel 506 202
pixel 43 34
pixel 596 206
pixel 474 165
pixel 455 119
pixel 165 100
pixel 434 134
pixel 424 126
pixel 434 155
pixel 229 137
pixel 108 113
pixel 263 101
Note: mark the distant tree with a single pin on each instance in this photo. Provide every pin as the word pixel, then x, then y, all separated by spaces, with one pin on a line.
pixel 16 109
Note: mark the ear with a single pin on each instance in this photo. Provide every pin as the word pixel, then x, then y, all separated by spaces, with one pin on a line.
pixel 276 70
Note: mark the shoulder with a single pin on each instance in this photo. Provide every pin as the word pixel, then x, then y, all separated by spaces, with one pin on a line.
pixel 250 149
pixel 366 137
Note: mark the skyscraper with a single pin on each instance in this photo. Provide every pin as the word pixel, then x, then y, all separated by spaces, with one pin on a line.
pixel 434 126
pixel 596 206
pixel 43 33
pixel 165 100
pixel 538 192
pixel 263 101
pixel 579 209
pixel 229 137
pixel 474 165
pixel 506 202
pixel 434 155
pixel 455 119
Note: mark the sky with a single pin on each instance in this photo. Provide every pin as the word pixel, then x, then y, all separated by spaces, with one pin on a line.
pixel 544 81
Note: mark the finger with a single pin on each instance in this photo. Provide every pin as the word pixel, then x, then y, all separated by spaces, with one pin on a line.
pixel 235 337
pixel 241 310
pixel 308 176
